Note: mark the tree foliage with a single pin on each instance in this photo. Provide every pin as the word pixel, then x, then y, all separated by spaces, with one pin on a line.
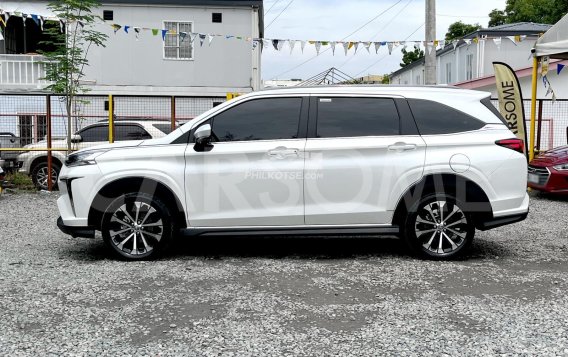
pixel 459 29
pixel 410 56
pixel 538 11
pixel 68 48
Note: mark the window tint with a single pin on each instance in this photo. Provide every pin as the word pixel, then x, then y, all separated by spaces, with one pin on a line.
pixel 490 106
pixel 94 134
pixel 164 128
pixel 436 118
pixel 130 132
pixel 261 119
pixel 345 117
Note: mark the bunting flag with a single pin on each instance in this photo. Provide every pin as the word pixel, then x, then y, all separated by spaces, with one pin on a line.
pixel 126 28
pixel 210 38
pixel 201 39
pixel 512 38
pixel 389 45
pixel 2 20
pixel 497 42
pixel 302 45
pixel 377 46
pixel 346 47
pixel 559 68
pixel 292 45
pixel 164 33
pixel 155 32
pixel 545 62
pixel 332 44
pixel 455 43
pixel 318 47
pixel 275 44
pixel 36 19
pixel 356 45
pixel 367 46
pixel 137 31
pixel 467 41
pixel 1 36
pixel 115 27
pixel 182 36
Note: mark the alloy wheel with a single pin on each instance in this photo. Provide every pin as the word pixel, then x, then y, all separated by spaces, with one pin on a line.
pixel 441 227
pixel 42 177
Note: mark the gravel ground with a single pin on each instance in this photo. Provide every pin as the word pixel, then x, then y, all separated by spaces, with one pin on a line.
pixel 282 296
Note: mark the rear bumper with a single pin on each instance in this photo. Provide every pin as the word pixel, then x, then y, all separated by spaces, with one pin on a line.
pixel 85 232
pixel 501 221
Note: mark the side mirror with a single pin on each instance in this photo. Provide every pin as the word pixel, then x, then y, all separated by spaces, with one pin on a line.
pixel 202 134
pixel 76 138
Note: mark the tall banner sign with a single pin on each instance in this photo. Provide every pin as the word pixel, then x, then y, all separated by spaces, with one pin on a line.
pixel 511 100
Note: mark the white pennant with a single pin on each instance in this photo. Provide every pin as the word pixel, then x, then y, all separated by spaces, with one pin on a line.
pixel 389 45
pixel 429 46
pixel 332 44
pixel 292 44
pixel 280 44
pixel 346 47
pixel 442 43
pixel 192 37
pixel 417 45
pixel 377 46
pixel 318 47
pixel 455 43
pixel 367 46
pixel 210 38
pixel 497 42
pixel 302 45
pixel 1 37
pixel 356 45
pixel 468 41
pixel 512 38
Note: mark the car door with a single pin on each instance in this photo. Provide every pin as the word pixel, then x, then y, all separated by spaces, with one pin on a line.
pixel 360 153
pixel 92 136
pixel 252 172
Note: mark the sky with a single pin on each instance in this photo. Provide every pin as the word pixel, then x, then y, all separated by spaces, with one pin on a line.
pixel 333 20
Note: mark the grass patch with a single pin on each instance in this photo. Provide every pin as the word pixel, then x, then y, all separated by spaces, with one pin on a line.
pixel 20 182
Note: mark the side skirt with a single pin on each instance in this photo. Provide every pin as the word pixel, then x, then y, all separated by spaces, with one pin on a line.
pixel 291 231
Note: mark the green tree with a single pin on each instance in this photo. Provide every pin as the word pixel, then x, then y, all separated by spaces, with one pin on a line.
pixel 459 29
pixel 539 11
pixel 386 79
pixel 66 57
pixel 410 56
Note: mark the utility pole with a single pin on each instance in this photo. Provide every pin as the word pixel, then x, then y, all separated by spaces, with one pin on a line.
pixel 430 60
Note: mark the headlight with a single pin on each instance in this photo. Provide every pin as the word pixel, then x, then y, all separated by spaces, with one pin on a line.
pixel 83 158
pixel 562 167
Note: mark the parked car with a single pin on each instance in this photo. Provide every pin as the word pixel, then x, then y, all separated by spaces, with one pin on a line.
pixel 8 141
pixel 428 164
pixel 34 163
pixel 548 172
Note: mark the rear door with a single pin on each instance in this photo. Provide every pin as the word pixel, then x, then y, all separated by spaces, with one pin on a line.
pixel 361 151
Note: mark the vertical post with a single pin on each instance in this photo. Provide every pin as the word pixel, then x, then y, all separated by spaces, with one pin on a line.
pixel 539 130
pixel 430 58
pixel 173 113
pixel 110 119
pixel 533 107
pixel 49 159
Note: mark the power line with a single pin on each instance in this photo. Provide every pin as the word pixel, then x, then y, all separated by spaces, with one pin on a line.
pixel 382 58
pixel 474 17
pixel 274 3
pixel 327 49
pixel 378 32
pixel 277 16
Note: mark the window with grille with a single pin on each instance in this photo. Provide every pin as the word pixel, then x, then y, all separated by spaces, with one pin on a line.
pixel 469 67
pixel 176 46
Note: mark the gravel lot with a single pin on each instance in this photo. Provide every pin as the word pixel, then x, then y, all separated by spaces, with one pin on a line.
pixel 282 296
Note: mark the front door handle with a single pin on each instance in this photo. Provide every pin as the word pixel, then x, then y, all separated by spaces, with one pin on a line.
pixel 400 146
pixel 282 152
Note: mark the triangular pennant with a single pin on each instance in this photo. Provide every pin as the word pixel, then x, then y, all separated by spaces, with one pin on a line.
pixel 377 46
pixel 367 46
pixel 126 28
pixel 265 43
pixel 332 44
pixel 1 36
pixel 137 31
pixel 164 33
pixel 36 19
pixel 275 44
pixel 389 45
pixel 116 27
pixel 518 38
pixel 318 47
pixel 356 45
pixel 467 41
pixel 41 22
pixel 155 32
pixel 292 44
pixel 559 68
pixel 350 44
pixel 192 37
pixel 417 45
pixel 497 42
pixel 280 44
pixel 2 21
pixel 202 38
pixel 512 38
pixel 476 40
pixel 182 36
pixel 442 43
pixel 210 38
pixel 436 43
pixel 346 47
pixel 455 43
pixel 302 45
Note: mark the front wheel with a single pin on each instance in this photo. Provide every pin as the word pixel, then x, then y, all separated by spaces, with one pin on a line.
pixel 137 226
pixel 40 176
pixel 437 227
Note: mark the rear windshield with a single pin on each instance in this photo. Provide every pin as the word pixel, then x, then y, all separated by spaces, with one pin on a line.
pixel 490 106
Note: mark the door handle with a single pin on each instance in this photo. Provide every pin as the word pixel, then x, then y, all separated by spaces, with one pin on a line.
pixel 400 146
pixel 282 152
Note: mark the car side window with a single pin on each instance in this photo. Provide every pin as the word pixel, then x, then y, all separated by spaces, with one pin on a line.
pixel 259 119
pixel 350 117
pixel 123 132
pixel 436 118
pixel 94 133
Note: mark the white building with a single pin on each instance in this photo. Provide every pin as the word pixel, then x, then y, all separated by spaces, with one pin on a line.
pixel 147 64
pixel 473 57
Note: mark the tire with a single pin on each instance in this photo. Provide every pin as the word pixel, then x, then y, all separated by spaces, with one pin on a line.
pixel 436 227
pixel 145 238
pixel 39 175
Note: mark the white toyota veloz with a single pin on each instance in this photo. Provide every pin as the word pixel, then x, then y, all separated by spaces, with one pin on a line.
pixel 430 164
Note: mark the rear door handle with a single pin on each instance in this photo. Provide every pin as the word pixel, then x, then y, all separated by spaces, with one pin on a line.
pixel 400 146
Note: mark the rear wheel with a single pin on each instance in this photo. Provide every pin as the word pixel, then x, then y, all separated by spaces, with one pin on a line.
pixel 39 175
pixel 137 226
pixel 437 227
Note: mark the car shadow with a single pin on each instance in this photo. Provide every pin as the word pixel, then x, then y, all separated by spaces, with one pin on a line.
pixel 288 247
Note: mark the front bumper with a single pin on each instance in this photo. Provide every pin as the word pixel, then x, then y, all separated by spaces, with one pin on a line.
pixel 84 232
pixel 548 179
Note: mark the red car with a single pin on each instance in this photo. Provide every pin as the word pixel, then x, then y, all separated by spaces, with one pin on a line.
pixel 548 171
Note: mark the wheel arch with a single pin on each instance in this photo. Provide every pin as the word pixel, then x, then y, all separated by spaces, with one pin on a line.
pixel 476 201
pixel 124 185
pixel 40 159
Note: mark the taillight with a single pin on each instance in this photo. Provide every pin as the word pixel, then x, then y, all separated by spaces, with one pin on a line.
pixel 513 144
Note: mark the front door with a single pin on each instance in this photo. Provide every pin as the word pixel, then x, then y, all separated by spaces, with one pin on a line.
pixel 252 173
pixel 358 158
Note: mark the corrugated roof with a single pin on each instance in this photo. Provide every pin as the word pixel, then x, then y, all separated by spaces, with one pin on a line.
pixel 188 2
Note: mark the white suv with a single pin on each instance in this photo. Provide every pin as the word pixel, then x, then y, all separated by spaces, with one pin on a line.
pixel 431 164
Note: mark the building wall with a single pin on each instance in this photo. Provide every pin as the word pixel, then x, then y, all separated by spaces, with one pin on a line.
pixel 138 66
